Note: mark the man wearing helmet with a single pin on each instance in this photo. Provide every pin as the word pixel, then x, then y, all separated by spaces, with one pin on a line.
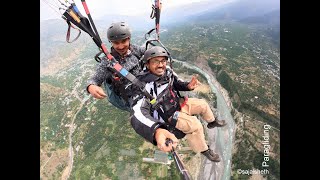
pixel 128 55
pixel 173 116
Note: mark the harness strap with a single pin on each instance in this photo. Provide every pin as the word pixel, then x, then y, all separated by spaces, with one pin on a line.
pixel 68 32
pixel 184 102
pixel 160 97
pixel 152 15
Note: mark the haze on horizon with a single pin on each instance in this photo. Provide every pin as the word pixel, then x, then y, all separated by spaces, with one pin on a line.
pixel 49 9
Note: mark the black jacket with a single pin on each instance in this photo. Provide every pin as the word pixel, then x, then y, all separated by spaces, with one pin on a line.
pixel 144 118
pixel 131 63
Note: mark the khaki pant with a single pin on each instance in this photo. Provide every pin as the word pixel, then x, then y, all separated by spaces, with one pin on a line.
pixel 189 124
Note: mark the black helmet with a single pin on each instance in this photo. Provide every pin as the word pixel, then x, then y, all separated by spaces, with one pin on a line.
pixel 154 51
pixel 118 31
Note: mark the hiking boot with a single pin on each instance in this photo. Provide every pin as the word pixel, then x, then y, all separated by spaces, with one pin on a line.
pixel 211 155
pixel 216 123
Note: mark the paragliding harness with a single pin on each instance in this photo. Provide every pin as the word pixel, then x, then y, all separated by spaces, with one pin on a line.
pixel 118 88
pixel 167 98
pixel 72 15
pixel 167 102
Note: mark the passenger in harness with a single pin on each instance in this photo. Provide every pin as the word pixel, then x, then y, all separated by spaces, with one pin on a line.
pixel 128 55
pixel 172 116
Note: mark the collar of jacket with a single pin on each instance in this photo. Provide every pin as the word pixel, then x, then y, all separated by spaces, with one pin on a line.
pixel 147 76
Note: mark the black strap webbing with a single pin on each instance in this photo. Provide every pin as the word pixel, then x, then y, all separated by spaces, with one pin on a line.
pixel 68 32
pixel 160 96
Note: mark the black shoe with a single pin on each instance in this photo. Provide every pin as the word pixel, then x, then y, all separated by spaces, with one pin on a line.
pixel 216 123
pixel 211 155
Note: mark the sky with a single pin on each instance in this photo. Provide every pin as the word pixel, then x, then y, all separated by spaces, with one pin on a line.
pixel 49 9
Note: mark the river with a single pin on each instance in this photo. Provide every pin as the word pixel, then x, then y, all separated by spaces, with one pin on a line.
pixel 219 139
